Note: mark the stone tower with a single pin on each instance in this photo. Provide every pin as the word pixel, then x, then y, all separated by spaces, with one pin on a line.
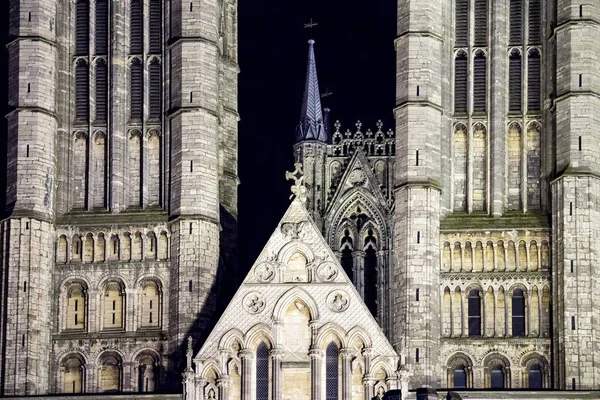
pixel 574 112
pixel 122 190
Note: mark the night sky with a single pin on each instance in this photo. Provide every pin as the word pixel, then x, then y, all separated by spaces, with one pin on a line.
pixel 355 61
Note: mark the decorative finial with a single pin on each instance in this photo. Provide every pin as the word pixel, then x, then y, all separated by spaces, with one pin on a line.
pixel 188 356
pixel 298 187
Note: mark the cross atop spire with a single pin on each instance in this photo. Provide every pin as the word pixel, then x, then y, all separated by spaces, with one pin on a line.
pixel 311 117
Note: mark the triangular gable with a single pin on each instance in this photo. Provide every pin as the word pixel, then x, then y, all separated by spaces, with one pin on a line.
pixel 276 280
pixel 357 176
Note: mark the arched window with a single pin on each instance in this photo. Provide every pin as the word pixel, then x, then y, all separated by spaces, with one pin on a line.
pixel 154 45
pixel 135 27
pixel 151 305
pixel 147 374
pixel 371 273
pixel 534 376
pixel 516 23
pixel 474 313
pixel 479 82
pixel 518 313
pixel 73 375
pixel 136 91
pixel 514 85
pixel 82 80
pixel 113 306
pixel 497 377
pixel 460 377
pixel 347 260
pixel 76 307
pixel 461 74
pixel 110 373
pixel 101 28
pixel 533 80
pixel 76 248
pixel 331 372
pixel 461 31
pixel 82 28
pixel 155 89
pixel 481 18
pixel 262 372
pixel 101 91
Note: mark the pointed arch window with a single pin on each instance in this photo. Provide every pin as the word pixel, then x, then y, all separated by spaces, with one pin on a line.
pixel 331 372
pixel 514 84
pixel 155 26
pixel 461 31
pixel 82 28
pixel 534 80
pixel 461 74
pixel 518 313
pixel 516 23
pixel 81 91
pixel 474 305
pixel 262 372
pixel 155 89
pixel 136 90
pixel 101 91
pixel 481 18
pixel 136 27
pixel 101 28
pixel 479 82
pixel 371 273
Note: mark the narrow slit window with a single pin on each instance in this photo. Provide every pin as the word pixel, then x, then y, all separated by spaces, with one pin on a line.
pixel 417 295
pixel 461 30
pixel 417 354
pixel 101 28
pixel 581 10
pixel 479 82
pixel 191 97
pixel 574 384
pixel 82 28
pixel 573 323
pixel 135 27
pixel 191 6
pixel 417 158
pixel 516 23
pixel 534 80
pixel 136 91
pixel 460 82
pixel 27 150
pixel 81 91
pixel 29 17
pixel 514 85
pixel 22 340
pixel 29 88
pixel 571 208
pixel 572 266
pixel 25 286
pixel 580 80
pixel 518 313
pixel 418 237
pixel 417 90
pixel 101 91
pixel 190 230
pixel 474 312
pixel 189 286
pixel 191 165
pixel 579 143
pixel 481 18
pixel 155 34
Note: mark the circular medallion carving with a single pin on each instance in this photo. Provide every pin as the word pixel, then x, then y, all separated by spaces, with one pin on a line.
pixel 264 272
pixel 254 302
pixel 338 301
pixel 327 271
pixel 357 177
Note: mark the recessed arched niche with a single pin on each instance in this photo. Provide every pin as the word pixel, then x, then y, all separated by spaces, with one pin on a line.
pixel 295 270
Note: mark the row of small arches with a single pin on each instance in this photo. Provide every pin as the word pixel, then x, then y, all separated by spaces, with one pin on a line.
pixel 98 247
pixel 108 375
pixel 496 256
pixel 497 372
pixel 516 312
pixel 110 305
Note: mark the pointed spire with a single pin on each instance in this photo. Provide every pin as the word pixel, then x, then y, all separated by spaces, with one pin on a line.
pixel 311 118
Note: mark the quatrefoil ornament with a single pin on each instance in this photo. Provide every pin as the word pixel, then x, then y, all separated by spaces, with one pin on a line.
pixel 254 302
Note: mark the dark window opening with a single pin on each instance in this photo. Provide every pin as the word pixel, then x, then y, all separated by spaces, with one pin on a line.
pixel 474 306
pixel 518 313
pixel 136 27
pixel 460 82
pixel 514 84
pixel 461 30
pixel 417 295
pixel 479 83
pixel 497 377
pixel 189 286
pixel 331 372
pixel 573 323
pixel 516 23
pixel 460 377
pixel 136 92
pixel 481 17
pixel 535 377
pixel 262 372
pixel 417 355
pixel 371 277
pixel 82 28
pixel 101 28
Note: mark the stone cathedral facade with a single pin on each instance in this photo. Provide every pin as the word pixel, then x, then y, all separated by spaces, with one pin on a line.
pixel 457 249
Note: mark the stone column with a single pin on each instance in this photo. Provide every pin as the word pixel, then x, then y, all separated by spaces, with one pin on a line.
pixel 358 258
pixel 223 385
pixel 247 356
pixel 346 354
pixel 189 387
pixel 381 284
pixel 276 378
pixel 316 360
pixel 369 385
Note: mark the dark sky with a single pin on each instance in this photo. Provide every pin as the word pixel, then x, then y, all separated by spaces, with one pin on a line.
pixel 355 60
